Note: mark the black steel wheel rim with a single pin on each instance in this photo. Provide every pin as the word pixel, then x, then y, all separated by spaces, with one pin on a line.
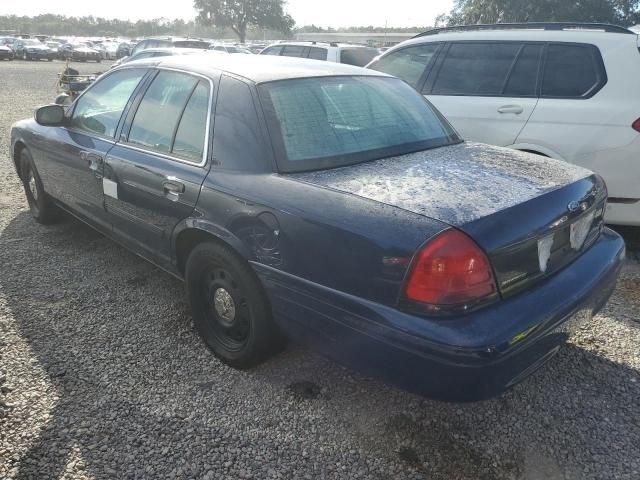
pixel 227 308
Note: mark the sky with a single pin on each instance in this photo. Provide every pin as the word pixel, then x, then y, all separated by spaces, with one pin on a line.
pixel 325 13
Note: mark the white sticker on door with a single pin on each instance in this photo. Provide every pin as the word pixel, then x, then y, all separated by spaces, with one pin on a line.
pixel 109 188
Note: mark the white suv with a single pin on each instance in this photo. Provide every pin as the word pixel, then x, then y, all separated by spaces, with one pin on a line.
pixel 567 91
pixel 358 55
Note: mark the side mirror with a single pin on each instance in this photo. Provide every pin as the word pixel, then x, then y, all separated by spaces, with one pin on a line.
pixel 50 115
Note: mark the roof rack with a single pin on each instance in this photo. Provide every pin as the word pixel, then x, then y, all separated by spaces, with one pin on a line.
pixel 530 26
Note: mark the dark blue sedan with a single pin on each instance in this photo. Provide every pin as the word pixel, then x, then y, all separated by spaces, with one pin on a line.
pixel 333 205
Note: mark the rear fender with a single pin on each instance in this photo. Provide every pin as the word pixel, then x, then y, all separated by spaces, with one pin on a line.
pixel 220 233
pixel 533 148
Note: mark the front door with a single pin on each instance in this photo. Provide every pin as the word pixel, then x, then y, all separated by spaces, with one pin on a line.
pixel 75 166
pixel 154 173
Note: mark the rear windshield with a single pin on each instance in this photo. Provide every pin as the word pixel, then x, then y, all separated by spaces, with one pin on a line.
pixel 358 56
pixel 328 122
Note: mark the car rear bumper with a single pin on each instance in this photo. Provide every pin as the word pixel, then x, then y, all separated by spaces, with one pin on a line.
pixel 469 358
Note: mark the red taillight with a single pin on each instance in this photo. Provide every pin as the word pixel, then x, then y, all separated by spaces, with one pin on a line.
pixel 450 270
pixel 636 125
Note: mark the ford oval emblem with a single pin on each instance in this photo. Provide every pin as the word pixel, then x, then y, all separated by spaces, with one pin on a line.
pixel 574 206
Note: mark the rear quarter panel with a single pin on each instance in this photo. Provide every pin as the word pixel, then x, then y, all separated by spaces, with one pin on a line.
pixel 340 241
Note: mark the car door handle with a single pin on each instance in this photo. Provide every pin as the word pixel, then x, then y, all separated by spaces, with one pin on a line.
pixel 516 109
pixel 173 188
pixel 94 161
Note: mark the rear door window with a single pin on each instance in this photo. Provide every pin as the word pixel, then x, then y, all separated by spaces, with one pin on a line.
pixel 572 71
pixel 408 63
pixel 523 78
pixel 190 136
pixel 295 51
pixel 317 53
pixel 160 110
pixel 475 68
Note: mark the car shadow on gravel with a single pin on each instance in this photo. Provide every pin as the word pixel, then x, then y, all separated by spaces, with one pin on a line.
pixel 122 387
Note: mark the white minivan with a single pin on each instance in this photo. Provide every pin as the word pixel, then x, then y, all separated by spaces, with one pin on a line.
pixel 567 91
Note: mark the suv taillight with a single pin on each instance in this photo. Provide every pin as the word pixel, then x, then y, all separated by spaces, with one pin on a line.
pixel 636 125
pixel 450 270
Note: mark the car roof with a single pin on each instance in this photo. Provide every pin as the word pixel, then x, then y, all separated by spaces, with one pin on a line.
pixel 255 68
pixel 583 35
pixel 176 51
pixel 314 43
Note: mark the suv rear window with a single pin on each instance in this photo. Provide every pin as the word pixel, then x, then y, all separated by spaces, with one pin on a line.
pixel 358 56
pixel 572 71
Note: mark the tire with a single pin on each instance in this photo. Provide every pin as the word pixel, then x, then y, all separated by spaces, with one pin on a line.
pixel 42 207
pixel 50 59
pixel 229 306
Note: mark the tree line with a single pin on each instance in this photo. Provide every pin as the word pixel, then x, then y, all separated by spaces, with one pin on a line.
pixel 267 19
pixel 619 12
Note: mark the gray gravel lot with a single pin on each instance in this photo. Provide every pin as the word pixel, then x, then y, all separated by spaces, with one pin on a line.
pixel 103 376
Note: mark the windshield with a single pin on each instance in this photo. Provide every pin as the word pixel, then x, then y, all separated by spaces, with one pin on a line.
pixel 32 42
pixel 328 122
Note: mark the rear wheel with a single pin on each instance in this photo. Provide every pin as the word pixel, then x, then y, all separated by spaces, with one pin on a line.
pixel 41 206
pixel 229 306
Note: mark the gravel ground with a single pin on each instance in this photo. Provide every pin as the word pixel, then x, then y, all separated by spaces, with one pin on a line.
pixel 102 376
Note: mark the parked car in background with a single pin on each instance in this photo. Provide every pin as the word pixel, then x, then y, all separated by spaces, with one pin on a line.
pixel 566 91
pixel 79 52
pixel 110 49
pixel 256 47
pixel 31 49
pixel 6 53
pixel 154 53
pixel 100 48
pixel 7 41
pixel 55 46
pixel 123 50
pixel 335 204
pixel 220 47
pixel 171 43
pixel 357 55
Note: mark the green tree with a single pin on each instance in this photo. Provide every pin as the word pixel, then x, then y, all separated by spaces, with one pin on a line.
pixel 504 11
pixel 240 14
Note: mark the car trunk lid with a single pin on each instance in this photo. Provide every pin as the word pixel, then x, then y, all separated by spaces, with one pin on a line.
pixel 517 206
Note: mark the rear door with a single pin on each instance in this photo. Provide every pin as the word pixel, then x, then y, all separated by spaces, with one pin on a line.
pixel 487 90
pixel 154 173
pixel 568 120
